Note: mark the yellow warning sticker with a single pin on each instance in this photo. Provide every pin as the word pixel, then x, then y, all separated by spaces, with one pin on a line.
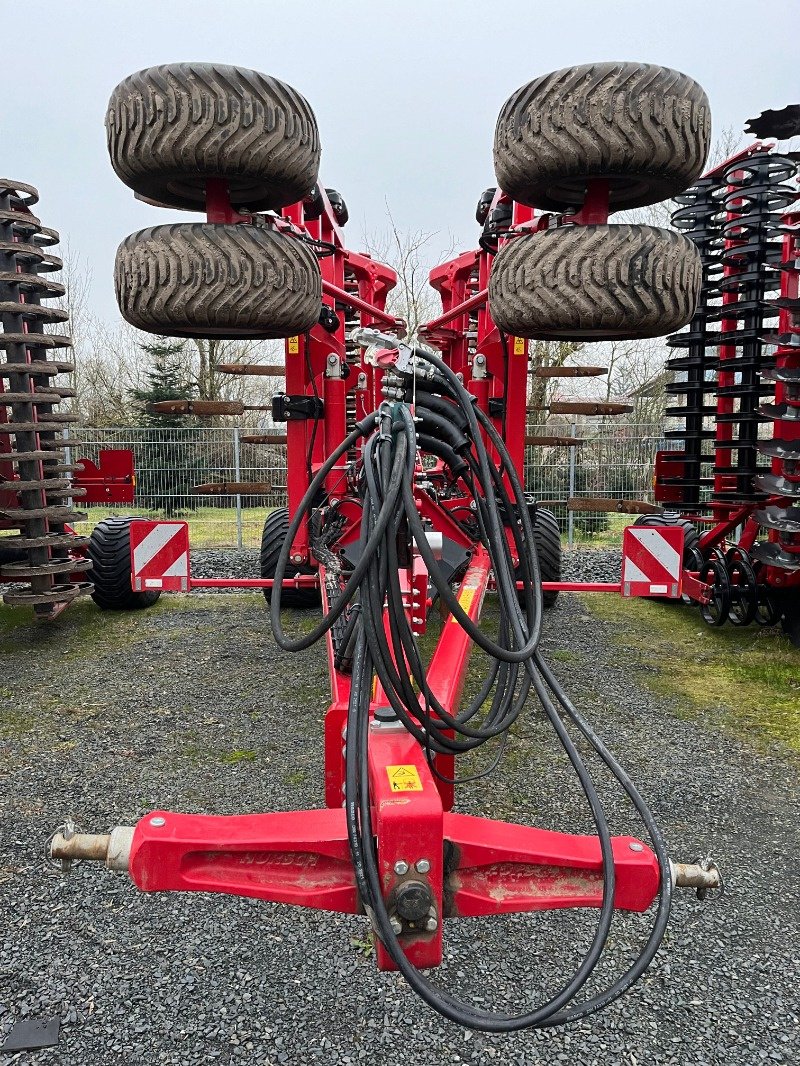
pixel 519 346
pixel 465 598
pixel 293 345
pixel 404 779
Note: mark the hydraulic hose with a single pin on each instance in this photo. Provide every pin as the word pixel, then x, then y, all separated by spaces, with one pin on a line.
pixel 516 669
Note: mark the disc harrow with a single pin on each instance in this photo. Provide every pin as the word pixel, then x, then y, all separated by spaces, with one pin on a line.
pixel 738 377
pixel 36 492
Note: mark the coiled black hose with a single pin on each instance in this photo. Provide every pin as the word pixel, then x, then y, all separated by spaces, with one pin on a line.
pixel 389 515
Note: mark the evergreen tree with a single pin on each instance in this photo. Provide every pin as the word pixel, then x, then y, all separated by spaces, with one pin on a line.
pixel 166 380
pixel 167 466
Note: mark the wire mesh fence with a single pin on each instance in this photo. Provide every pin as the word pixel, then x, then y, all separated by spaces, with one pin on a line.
pixel 615 461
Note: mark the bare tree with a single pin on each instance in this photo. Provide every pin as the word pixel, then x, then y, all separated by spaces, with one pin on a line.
pixel 413 299
pixel 204 357
pixel 541 390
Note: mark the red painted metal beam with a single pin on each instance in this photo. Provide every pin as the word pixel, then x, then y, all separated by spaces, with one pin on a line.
pixel 503 868
pixel 352 300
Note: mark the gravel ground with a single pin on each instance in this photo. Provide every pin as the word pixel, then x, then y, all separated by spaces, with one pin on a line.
pixel 191 706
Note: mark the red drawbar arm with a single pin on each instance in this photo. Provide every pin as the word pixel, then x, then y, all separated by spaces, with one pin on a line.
pixel 502 868
pixel 302 858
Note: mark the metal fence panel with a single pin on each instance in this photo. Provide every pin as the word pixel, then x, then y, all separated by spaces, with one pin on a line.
pixel 616 461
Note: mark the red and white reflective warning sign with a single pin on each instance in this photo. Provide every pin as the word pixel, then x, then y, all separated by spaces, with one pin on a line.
pixel 652 561
pixel 160 556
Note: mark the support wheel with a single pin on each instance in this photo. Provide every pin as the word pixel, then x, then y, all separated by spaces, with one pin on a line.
pixel 595 282
pixel 547 539
pixel 275 532
pixel 171 128
pixel 644 128
pixel 197 279
pixel 110 553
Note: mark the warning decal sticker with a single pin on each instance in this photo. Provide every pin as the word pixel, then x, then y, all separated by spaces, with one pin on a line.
pixel 465 598
pixel 404 779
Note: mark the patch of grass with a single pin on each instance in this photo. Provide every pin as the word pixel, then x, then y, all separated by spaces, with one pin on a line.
pixel 296 777
pixel 564 655
pixel 748 678
pixel 240 755
pixel 209 527
pixel 363 947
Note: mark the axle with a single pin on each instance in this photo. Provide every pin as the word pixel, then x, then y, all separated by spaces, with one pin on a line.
pixel 167 851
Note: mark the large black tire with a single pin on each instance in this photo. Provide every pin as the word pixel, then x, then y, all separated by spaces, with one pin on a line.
pixel 547 541
pixel 205 280
pixel 172 127
pixel 110 553
pixel 276 529
pixel 595 282
pixel 645 128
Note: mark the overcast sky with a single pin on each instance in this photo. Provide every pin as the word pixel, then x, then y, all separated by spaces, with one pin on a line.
pixel 406 94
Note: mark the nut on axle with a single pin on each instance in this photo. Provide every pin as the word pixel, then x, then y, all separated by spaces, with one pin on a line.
pixel 113 849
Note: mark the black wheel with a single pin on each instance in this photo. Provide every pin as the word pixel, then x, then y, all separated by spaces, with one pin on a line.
pixel 715 612
pixel 644 128
pixel 313 204
pixel 547 540
pixel 690 535
pixel 204 280
pixel 790 622
pixel 110 554
pixel 275 531
pixel 171 128
pixel 595 282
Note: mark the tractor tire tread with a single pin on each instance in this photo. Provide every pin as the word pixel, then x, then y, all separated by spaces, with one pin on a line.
pixel 169 128
pixel 208 280
pixel 647 128
pixel 610 282
pixel 109 551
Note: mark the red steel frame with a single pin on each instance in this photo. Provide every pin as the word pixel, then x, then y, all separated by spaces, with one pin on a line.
pixel 303 857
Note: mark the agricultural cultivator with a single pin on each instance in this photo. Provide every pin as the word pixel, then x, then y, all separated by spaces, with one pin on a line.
pixel 736 477
pixel 405 493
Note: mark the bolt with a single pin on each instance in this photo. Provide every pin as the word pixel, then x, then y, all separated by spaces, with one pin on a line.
pixel 158 821
pixel 401 867
pixel 297 558
pixel 636 847
pixel 431 925
pixel 397 926
pixel 333 359
pixel 423 866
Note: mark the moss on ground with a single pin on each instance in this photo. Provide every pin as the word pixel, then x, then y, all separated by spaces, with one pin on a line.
pixel 749 679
